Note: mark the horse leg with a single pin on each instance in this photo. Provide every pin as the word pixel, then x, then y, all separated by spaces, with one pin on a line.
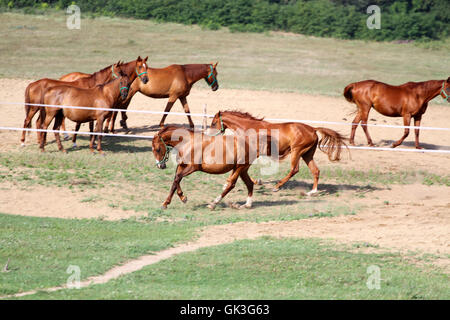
pixel 295 159
pixel 74 138
pixel 230 186
pixel 249 183
pixel 26 123
pixel 109 126
pixel 47 119
pixel 355 124
pixel 63 126
pixel 182 171
pixel 308 158
pixel 364 118
pixel 183 101
pixel 406 123
pixel 123 122
pixel 167 109
pixel 99 129
pixel 59 118
pixel 417 130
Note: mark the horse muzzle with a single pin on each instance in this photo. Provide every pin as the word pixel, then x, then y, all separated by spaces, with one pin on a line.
pixel 215 87
pixel 145 80
pixel 161 165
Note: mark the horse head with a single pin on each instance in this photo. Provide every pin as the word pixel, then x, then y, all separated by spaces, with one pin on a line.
pixel 161 151
pixel 218 123
pixel 141 69
pixel 211 79
pixel 445 91
pixel 124 84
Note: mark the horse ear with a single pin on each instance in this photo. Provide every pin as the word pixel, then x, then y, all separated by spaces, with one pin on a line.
pixel 215 66
pixel 139 58
pixel 448 80
pixel 145 60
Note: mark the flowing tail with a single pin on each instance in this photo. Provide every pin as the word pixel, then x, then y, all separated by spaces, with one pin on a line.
pixel 27 106
pixel 331 143
pixel 348 93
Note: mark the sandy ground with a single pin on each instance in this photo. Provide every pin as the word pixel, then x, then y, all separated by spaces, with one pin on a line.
pixel 417 217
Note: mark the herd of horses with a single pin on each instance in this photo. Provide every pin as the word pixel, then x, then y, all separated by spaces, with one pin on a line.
pixel 113 87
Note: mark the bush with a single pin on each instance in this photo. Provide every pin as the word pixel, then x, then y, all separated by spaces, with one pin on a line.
pixel 402 19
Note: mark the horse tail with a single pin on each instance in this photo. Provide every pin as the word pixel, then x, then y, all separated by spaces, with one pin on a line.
pixel 348 93
pixel 27 101
pixel 331 143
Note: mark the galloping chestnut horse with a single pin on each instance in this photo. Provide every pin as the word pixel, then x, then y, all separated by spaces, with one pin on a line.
pixel 198 153
pixel 103 96
pixel 173 82
pixel 296 139
pixel 409 100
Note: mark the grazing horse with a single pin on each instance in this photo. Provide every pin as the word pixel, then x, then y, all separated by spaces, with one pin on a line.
pixel 296 139
pixel 103 96
pixel 173 82
pixel 409 100
pixel 197 152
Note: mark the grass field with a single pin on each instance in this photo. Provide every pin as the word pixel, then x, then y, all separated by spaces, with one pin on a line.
pixel 270 269
pixel 126 187
pixel 41 46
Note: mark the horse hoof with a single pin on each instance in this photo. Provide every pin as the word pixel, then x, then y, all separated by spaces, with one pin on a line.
pixel 22 144
pixel 419 148
pixel 211 206
pixel 74 146
pixel 184 199
pixel 164 206
pixel 245 206
pixel 275 189
pixel 259 182
pixel 66 137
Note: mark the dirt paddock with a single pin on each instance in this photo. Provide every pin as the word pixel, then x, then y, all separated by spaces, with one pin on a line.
pixel 418 217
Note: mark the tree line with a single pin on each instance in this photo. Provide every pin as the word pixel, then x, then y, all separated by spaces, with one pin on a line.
pixel 344 19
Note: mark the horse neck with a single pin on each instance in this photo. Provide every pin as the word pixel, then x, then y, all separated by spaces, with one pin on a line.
pixel 235 123
pixel 111 91
pixel 432 89
pixel 196 72
pixel 130 69
pixel 102 76
pixel 167 137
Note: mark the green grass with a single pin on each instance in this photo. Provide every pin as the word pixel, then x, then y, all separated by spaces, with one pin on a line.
pixel 37 46
pixel 41 249
pixel 269 269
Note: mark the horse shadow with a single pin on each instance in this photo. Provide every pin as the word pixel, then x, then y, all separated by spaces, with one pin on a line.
pixel 388 143
pixel 228 204
pixel 325 188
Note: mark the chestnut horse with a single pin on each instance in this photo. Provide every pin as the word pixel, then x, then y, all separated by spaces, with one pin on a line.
pixel 296 139
pixel 103 96
pixel 409 100
pixel 192 148
pixel 134 69
pixel 173 82
pixel 34 91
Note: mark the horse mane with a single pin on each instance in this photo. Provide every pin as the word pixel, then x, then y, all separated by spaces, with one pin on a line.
pixel 242 115
pixel 173 128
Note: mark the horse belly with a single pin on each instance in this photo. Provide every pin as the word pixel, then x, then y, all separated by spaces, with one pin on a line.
pixel 217 168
